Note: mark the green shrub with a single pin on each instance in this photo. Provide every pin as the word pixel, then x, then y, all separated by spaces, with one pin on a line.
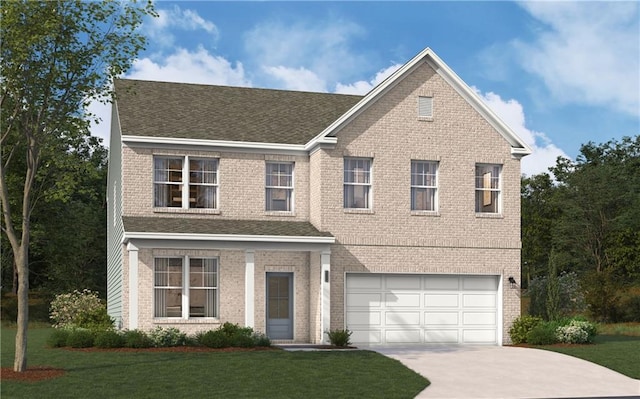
pixel 228 335
pixel 58 338
pixel 82 309
pixel 543 334
pixel 214 339
pixel 576 332
pixel 260 339
pixel 341 338
pixel 166 337
pixel 521 328
pixel 136 339
pixel 80 338
pixel 109 339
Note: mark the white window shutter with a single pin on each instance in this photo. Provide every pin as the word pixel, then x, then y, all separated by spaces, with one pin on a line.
pixel 425 107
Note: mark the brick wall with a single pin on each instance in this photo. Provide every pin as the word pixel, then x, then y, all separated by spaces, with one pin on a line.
pixel 241 185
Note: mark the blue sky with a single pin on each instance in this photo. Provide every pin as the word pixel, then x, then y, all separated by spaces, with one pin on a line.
pixel 559 73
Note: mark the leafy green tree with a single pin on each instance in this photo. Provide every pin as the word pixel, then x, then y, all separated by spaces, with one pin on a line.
pixel 553 289
pixel 57 57
pixel 539 211
pixel 597 230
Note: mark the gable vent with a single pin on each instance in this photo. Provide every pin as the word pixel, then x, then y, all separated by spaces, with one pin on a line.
pixel 425 107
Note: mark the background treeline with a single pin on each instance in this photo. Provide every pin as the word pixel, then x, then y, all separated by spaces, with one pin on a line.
pixel 580 231
pixel 581 234
pixel 68 227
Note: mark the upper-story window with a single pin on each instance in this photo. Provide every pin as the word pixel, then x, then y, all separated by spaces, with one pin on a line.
pixel 488 188
pixel 172 189
pixel 185 287
pixel 279 186
pixel 357 183
pixel 425 107
pixel 424 186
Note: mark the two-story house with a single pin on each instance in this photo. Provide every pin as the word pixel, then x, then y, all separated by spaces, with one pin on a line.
pixel 395 214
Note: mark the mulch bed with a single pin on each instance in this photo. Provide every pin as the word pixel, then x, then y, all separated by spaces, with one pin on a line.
pixel 32 374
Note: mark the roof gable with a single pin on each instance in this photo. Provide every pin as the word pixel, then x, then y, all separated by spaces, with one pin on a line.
pixel 518 146
pixel 223 113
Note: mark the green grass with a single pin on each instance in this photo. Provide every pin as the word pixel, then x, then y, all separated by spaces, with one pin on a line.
pixel 266 374
pixel 616 352
pixel 630 329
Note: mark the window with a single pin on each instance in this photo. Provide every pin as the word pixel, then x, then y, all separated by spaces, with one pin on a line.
pixel 488 188
pixel 201 189
pixel 279 187
pixel 185 292
pixel 357 183
pixel 424 186
pixel 425 107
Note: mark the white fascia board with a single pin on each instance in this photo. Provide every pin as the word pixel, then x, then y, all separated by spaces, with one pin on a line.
pixel 174 141
pixel 228 237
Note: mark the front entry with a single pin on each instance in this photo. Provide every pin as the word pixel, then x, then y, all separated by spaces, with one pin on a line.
pixel 280 305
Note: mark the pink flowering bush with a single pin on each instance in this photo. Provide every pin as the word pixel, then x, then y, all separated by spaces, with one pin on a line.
pixel 80 309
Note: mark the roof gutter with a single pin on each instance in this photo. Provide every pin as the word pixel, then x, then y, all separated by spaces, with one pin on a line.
pixel 228 237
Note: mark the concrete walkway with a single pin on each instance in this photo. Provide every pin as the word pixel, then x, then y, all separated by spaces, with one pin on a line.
pixel 509 372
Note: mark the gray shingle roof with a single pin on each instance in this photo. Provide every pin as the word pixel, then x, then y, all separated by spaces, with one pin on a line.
pixel 140 224
pixel 180 110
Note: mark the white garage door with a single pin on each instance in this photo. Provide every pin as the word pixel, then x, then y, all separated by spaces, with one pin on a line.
pixel 414 309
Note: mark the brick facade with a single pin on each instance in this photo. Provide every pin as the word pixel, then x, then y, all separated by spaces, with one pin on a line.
pixel 388 238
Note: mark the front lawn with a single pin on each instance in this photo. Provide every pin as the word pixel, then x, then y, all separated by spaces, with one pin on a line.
pixel 616 352
pixel 260 374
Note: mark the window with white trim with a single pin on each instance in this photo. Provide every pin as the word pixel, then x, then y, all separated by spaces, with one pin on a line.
pixel 357 183
pixel 185 287
pixel 488 188
pixel 172 189
pixel 424 186
pixel 279 186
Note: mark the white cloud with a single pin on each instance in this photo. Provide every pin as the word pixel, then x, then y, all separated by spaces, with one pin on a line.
pixel 587 52
pixel 191 67
pixel 362 86
pixel 102 127
pixel 158 29
pixel 320 46
pixel 544 151
pixel 297 78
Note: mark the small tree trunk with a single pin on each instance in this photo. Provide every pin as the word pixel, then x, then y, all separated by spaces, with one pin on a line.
pixel 20 359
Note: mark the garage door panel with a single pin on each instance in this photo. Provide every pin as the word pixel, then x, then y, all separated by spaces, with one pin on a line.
pixel 402 318
pixel 479 300
pixel 480 283
pixel 403 336
pixel 479 318
pixel 441 336
pixel 441 300
pixel 441 318
pixel 364 318
pixel 478 336
pixel 403 283
pixel 368 336
pixel 394 299
pixel 368 300
pixel 373 281
pixel 441 282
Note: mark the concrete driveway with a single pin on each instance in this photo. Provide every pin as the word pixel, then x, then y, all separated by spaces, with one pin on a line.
pixel 509 372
